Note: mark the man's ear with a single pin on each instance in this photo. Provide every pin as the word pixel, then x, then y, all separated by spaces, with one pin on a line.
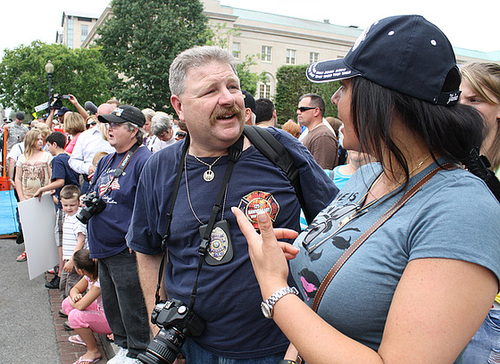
pixel 177 105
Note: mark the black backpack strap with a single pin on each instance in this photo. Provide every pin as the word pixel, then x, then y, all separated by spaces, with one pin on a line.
pixel 273 150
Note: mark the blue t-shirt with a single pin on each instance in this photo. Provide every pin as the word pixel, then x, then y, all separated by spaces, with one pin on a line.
pixel 107 229
pixel 62 170
pixel 453 216
pixel 228 295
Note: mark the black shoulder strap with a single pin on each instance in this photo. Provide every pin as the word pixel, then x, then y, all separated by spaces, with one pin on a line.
pixel 273 150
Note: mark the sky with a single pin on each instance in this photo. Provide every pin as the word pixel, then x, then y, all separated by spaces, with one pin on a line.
pixel 468 24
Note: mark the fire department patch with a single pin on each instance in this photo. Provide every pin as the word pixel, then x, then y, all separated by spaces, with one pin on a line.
pixel 257 201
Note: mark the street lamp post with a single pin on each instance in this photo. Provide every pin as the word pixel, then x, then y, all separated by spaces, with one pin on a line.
pixel 49 68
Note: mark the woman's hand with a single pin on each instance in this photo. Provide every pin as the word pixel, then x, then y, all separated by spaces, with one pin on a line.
pixel 268 256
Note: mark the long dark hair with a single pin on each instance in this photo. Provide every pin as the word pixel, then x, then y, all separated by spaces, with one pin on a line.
pixel 449 131
pixel 82 261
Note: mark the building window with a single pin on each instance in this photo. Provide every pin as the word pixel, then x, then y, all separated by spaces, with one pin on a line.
pixel 265 90
pixel 85 32
pixel 290 56
pixel 236 50
pixel 313 57
pixel 266 53
pixel 70 32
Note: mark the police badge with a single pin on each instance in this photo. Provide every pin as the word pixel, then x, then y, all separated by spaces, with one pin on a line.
pixel 220 248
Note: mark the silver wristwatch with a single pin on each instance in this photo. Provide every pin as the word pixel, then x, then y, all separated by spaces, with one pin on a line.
pixel 268 305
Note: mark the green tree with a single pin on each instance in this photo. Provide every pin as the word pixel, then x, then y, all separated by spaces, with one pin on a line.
pixel 142 39
pixel 24 82
pixel 292 83
pixel 249 79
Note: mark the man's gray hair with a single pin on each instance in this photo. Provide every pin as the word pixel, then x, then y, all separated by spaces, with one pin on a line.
pixel 161 123
pixel 193 58
pixel 141 133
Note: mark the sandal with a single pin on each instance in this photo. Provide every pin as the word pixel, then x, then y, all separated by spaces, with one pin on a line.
pixel 76 339
pixel 66 326
pixel 86 361
pixel 22 257
pixel 62 313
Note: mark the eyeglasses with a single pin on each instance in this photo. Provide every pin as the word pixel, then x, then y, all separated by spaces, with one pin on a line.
pixel 305 108
pixel 180 134
pixel 113 125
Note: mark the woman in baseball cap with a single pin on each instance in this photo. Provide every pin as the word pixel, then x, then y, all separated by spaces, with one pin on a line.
pixel 404 264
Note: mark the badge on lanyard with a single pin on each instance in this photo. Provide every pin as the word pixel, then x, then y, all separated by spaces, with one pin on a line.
pixel 220 248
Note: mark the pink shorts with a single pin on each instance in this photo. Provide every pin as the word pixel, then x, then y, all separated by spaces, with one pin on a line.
pixel 92 317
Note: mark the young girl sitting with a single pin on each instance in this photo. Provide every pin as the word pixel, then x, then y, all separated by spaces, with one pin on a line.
pixel 84 310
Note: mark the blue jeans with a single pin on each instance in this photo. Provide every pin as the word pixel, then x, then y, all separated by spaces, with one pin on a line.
pixel 485 345
pixel 195 354
pixel 123 302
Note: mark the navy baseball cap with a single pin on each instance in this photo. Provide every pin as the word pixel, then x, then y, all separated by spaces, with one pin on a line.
pixel 249 100
pixel 405 53
pixel 123 114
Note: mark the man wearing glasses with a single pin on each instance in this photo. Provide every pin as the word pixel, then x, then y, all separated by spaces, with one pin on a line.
pixel 116 179
pixel 320 140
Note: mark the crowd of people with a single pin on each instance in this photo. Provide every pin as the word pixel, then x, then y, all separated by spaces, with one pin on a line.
pixel 187 209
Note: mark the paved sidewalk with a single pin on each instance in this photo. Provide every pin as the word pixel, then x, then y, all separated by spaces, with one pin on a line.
pixel 31 330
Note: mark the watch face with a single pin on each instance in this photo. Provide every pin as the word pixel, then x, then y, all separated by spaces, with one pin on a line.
pixel 266 310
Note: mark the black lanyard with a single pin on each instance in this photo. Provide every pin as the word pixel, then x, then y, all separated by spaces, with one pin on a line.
pixel 119 170
pixel 234 152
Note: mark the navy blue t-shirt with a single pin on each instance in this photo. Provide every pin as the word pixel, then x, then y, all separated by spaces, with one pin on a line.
pixel 107 229
pixel 228 295
pixel 62 170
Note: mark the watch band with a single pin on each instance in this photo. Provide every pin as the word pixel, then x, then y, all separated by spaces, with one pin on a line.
pixel 268 305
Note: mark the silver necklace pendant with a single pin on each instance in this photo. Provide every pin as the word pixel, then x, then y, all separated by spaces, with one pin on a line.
pixel 208 175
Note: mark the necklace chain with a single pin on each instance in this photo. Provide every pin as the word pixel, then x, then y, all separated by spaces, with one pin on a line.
pixel 379 178
pixel 189 197
pixel 208 175
pixel 358 211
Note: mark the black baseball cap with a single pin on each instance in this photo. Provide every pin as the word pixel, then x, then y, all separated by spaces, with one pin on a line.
pixel 249 100
pixel 63 110
pixel 405 53
pixel 123 114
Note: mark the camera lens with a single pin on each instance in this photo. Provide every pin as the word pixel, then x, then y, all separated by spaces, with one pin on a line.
pixel 84 216
pixel 164 347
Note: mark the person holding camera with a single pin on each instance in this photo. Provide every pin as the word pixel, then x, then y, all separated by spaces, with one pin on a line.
pixel 108 210
pixel 183 204
pixel 89 143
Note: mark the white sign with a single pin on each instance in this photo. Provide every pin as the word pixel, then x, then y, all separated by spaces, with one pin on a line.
pixel 38 219
pixel 42 107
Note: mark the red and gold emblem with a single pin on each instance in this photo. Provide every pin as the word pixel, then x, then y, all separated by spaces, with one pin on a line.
pixel 257 201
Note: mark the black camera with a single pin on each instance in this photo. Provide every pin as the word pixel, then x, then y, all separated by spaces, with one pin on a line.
pixel 177 322
pixel 56 101
pixel 93 205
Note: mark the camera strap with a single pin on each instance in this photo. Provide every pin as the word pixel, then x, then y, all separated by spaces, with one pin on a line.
pixel 234 153
pixel 119 170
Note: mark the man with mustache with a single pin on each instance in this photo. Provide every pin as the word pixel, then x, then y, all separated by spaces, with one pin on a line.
pixel 186 187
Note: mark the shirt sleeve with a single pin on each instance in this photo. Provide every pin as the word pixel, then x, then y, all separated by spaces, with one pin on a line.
pixel 76 161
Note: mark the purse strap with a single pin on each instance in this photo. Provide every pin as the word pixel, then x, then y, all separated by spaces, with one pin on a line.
pixel 354 246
